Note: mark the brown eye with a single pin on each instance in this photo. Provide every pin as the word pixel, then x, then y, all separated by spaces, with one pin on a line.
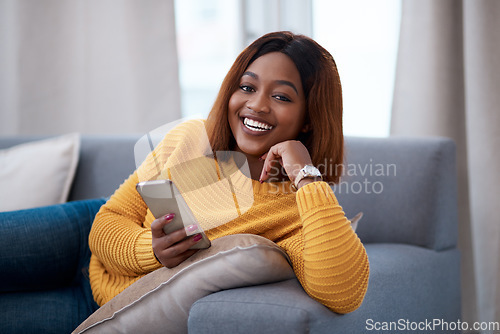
pixel 247 88
pixel 282 98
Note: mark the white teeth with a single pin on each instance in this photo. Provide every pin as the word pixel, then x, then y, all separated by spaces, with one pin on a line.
pixel 255 125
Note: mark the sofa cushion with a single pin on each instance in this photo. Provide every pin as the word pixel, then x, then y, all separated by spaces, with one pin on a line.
pixel 416 283
pixel 161 300
pixel 38 173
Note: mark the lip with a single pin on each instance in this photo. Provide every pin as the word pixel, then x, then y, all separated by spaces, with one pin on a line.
pixel 253 132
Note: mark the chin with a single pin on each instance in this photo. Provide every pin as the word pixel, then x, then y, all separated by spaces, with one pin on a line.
pixel 252 152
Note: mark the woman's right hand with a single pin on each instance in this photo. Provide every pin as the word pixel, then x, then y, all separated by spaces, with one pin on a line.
pixel 173 248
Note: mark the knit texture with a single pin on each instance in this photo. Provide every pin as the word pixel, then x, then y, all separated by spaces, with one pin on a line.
pixel 327 256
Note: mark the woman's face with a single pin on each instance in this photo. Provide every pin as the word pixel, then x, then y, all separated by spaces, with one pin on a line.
pixel 269 105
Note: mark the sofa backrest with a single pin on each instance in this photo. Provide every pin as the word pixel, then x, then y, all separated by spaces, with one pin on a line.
pixel 105 162
pixel 406 188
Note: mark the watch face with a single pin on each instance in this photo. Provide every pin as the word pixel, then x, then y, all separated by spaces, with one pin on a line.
pixel 311 170
pixel 307 171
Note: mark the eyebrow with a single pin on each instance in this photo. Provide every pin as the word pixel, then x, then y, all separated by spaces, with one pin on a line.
pixel 279 82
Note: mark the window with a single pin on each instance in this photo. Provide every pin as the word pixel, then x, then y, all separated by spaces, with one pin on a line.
pixel 362 36
pixel 208 42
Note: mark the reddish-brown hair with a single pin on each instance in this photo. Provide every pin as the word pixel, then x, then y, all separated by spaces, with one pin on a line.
pixel 322 90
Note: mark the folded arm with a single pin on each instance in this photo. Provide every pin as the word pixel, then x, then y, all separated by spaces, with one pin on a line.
pixel 329 259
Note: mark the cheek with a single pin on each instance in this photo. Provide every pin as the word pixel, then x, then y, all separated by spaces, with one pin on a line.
pixel 234 104
pixel 294 121
pixel 293 117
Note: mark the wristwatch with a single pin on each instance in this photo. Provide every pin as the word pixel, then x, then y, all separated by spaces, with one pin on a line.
pixel 307 171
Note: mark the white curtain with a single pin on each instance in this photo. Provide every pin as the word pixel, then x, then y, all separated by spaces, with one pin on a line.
pixel 448 84
pixel 90 66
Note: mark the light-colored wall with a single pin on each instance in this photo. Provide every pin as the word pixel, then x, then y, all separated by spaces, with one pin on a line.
pixel 90 66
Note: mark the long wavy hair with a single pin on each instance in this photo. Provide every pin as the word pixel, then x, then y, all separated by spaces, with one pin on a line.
pixel 322 91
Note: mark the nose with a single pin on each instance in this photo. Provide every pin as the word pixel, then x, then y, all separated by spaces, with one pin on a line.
pixel 259 102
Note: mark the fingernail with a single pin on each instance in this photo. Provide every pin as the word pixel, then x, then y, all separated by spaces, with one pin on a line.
pixel 170 216
pixel 191 229
pixel 197 237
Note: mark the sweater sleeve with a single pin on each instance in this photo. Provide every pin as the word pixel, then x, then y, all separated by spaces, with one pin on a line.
pixel 120 237
pixel 328 258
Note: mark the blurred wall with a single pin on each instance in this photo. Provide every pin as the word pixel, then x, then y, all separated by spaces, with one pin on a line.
pixel 90 66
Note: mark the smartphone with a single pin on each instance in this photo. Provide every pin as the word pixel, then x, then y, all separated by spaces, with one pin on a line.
pixel 162 197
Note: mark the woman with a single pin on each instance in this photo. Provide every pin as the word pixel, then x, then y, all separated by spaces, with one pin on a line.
pixel 280 106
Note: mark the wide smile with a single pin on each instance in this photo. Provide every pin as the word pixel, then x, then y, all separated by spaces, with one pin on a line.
pixel 257 126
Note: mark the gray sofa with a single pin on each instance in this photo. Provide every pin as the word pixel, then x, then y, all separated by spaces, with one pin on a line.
pixel 406 188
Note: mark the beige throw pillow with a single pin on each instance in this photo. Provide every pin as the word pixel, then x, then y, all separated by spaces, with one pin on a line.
pixel 160 301
pixel 38 173
pixel 355 220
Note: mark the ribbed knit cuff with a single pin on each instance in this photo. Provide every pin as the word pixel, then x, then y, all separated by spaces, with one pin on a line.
pixel 313 195
pixel 144 252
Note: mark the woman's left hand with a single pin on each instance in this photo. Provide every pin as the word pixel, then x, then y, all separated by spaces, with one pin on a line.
pixel 291 154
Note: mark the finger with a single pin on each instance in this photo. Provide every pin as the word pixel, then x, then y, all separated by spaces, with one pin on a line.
pixel 182 246
pixel 158 224
pixel 192 229
pixel 174 262
pixel 174 237
pixel 180 251
pixel 271 156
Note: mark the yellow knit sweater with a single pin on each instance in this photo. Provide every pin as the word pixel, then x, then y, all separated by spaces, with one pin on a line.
pixel 327 256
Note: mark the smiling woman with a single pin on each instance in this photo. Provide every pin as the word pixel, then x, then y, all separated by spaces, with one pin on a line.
pixel 296 78
pixel 280 104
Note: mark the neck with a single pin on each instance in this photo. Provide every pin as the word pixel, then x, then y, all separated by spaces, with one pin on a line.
pixel 255 166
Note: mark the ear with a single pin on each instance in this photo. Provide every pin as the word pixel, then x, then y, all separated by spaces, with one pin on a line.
pixel 306 128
